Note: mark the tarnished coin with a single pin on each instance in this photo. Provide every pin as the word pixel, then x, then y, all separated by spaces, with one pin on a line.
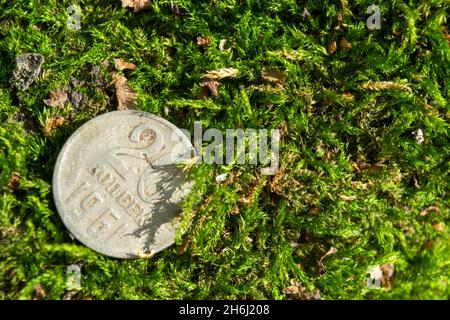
pixel 118 183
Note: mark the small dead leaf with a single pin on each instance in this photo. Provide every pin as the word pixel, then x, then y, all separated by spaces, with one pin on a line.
pixel 120 64
pixel 274 75
pixel 14 181
pixel 344 44
pixel 295 288
pixel 39 292
pixel 137 5
pixel 203 41
pixel 126 97
pixel 182 248
pixel 439 227
pixel 221 73
pixel 297 292
pixel 53 123
pixel 211 85
pixel 426 211
pixel 57 98
pixel 332 47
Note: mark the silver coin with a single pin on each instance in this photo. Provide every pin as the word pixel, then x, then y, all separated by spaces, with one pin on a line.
pixel 118 183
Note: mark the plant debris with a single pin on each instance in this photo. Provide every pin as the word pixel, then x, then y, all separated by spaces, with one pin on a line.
pixel 203 41
pixel 298 292
pixel 120 65
pixel 126 97
pixel 28 67
pixel 14 181
pixel 137 5
pixel 53 123
pixel 211 86
pixel 332 47
pixel 274 75
pixel 322 268
pixel 58 98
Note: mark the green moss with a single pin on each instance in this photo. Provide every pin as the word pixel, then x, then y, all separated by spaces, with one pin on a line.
pixel 242 249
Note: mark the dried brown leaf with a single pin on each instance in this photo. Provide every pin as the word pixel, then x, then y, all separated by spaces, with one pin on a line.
pixel 297 292
pixel 203 41
pixel 332 47
pixel 137 5
pixel 14 181
pixel 57 98
pixel 121 64
pixel 211 85
pixel 53 123
pixel 126 97
pixel 274 75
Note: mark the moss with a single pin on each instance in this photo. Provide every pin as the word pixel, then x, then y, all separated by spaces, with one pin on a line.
pixel 353 176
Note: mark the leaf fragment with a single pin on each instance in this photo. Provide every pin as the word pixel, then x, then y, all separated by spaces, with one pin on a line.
pixel 126 97
pixel 121 64
pixel 274 75
pixel 137 5
pixel 53 123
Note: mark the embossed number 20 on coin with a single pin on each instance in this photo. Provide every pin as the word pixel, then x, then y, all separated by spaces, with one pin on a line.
pixel 117 183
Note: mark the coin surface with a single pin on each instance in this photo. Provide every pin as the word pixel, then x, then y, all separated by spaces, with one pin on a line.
pixel 118 183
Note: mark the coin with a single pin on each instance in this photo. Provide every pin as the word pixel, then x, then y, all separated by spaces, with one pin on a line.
pixel 118 183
